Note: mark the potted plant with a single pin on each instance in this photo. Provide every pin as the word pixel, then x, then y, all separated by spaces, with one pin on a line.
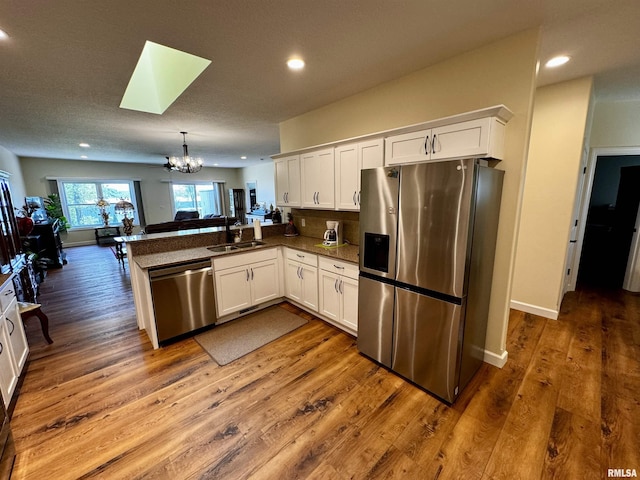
pixel 53 206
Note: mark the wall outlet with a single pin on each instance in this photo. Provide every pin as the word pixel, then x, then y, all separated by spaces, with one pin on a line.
pixel 302 222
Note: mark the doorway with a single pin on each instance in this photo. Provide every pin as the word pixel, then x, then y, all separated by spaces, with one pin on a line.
pixel 611 221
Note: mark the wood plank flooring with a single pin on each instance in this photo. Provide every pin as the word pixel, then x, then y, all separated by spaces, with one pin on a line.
pixel 101 403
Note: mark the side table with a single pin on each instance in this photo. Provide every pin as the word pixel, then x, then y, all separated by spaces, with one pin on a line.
pixel 106 235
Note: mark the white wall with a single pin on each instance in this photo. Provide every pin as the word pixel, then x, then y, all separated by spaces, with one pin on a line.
pixel 263 175
pixel 154 183
pixel 616 124
pixel 11 164
pixel 553 169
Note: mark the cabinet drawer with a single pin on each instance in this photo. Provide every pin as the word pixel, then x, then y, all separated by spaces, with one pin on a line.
pixel 341 268
pixel 302 257
pixel 7 293
pixel 236 259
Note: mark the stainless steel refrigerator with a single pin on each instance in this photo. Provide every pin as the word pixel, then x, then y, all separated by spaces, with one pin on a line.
pixel 427 246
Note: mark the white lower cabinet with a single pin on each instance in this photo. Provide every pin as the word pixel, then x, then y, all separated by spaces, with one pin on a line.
pixel 301 278
pixel 339 293
pixel 245 280
pixel 14 349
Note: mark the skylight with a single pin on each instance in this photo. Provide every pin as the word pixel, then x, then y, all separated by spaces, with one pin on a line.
pixel 160 77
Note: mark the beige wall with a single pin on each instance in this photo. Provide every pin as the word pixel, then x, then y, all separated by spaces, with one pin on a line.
pixel 11 164
pixel 155 186
pixel 616 124
pixel 553 170
pixel 500 73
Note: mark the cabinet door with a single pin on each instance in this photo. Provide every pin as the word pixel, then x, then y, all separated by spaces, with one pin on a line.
pixel 407 147
pixel 309 277
pixel 462 139
pixel 293 195
pixel 233 290
pixel 371 154
pixel 329 295
pixel 349 312
pixel 282 181
pixel 17 336
pixel 318 182
pixel 264 281
pixel 8 375
pixel 293 283
pixel 287 173
pixel 347 179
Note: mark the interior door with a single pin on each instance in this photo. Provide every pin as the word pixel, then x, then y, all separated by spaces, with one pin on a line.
pixel 624 224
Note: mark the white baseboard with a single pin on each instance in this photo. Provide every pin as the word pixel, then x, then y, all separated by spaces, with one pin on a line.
pixel 495 359
pixel 79 244
pixel 535 310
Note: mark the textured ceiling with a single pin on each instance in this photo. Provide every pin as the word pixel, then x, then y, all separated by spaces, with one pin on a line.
pixel 67 63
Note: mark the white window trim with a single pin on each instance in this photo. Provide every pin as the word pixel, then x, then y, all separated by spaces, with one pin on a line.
pixel 63 199
pixel 173 200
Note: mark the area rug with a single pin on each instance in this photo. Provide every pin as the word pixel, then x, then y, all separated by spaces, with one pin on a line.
pixel 232 340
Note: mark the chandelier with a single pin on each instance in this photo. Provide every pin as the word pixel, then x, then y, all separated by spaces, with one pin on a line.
pixel 185 163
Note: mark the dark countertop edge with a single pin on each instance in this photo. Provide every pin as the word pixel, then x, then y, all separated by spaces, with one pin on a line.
pixel 346 253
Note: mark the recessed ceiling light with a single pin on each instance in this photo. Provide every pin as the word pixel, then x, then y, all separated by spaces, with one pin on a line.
pixel 83 156
pixel 295 63
pixel 3 35
pixel 243 158
pixel 84 145
pixel 557 61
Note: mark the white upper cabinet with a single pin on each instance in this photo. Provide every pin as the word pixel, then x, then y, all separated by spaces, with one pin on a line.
pixel 350 159
pixel 287 172
pixel 317 173
pixel 482 137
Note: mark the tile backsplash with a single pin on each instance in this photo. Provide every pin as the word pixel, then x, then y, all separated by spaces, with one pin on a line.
pixel 315 223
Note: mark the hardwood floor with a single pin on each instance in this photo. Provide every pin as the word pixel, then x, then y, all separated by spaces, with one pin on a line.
pixel 101 403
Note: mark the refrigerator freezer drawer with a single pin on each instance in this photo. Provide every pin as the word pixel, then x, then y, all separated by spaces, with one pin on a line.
pixel 375 319
pixel 426 342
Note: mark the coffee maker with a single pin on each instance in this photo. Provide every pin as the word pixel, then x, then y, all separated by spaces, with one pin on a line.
pixel 332 235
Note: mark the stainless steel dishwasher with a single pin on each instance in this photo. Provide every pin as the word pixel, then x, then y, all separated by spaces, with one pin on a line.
pixel 183 298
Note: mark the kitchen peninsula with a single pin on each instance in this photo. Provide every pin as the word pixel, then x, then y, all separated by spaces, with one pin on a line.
pixel 280 259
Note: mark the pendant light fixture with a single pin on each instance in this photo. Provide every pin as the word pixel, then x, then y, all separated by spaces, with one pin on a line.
pixel 186 163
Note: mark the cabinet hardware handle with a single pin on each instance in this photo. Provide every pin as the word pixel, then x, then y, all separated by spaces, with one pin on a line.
pixel 247 274
pixel 13 326
pixel 251 273
pixel 301 273
pixel 1 348
pixel 338 266
pixel 354 198
pixel 340 287
pixel 426 145
pixel 358 198
pixel 298 273
pixel 335 285
pixel 8 292
pixel 433 143
pixel 299 256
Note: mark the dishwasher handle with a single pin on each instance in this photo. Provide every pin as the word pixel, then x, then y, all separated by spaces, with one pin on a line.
pixel 181 269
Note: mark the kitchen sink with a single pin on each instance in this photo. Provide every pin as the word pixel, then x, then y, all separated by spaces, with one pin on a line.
pixel 223 248
pixel 236 246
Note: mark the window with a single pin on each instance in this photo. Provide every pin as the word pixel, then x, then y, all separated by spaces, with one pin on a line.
pixel 206 198
pixel 79 199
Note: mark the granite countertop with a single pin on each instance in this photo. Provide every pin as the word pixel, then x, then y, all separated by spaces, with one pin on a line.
pixel 347 253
